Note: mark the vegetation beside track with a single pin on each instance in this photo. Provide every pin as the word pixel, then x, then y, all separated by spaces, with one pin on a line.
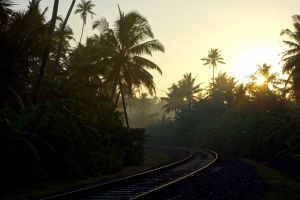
pixel 153 158
pixel 278 186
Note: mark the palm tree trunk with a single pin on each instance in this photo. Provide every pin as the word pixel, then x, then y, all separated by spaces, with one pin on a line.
pixel 115 84
pixel 117 99
pixel 45 56
pixel 81 32
pixel 124 106
pixel 296 85
pixel 214 76
pixel 61 35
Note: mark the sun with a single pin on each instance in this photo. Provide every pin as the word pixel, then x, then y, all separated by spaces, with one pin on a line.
pixel 245 63
pixel 260 80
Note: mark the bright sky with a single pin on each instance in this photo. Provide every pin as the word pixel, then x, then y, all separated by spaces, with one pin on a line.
pixel 246 32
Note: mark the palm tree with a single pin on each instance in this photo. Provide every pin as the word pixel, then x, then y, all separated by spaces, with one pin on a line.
pixel 262 93
pixel 122 49
pixel 46 52
pixel 189 89
pixel 181 95
pixel 174 100
pixel 213 58
pixel 84 8
pixel 222 91
pixel 61 36
pixel 264 72
pixel 291 57
pixel 61 44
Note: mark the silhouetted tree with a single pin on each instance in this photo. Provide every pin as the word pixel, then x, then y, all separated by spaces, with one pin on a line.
pixel 188 89
pixel 213 58
pixel 122 48
pixel 222 91
pixel 269 79
pixel 291 57
pixel 84 8
pixel 174 100
pixel 61 35
pixel 181 95
pixel 45 56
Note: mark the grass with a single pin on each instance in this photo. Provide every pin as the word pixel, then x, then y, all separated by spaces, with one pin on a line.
pixel 153 158
pixel 278 186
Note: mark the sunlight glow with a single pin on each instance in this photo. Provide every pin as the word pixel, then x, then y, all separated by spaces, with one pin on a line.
pixel 246 63
pixel 260 80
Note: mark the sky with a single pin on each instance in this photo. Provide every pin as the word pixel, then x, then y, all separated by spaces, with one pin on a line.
pixel 246 31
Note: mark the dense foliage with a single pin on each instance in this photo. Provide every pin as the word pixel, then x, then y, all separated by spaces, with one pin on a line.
pixel 58 114
pixel 259 120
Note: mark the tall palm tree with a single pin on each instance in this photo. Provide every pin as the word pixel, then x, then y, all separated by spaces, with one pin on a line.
pixel 122 49
pixel 61 44
pixel 61 36
pixel 46 52
pixel 291 57
pixel 84 8
pixel 213 58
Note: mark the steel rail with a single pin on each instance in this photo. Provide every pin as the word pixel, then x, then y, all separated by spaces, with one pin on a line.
pixel 147 172
pixel 152 193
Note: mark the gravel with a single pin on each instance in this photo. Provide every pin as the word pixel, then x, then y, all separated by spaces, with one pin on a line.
pixel 229 178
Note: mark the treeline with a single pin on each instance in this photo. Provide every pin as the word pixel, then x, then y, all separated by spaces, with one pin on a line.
pixel 258 120
pixel 58 116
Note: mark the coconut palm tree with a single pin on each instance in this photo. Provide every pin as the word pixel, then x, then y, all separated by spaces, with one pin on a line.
pixel 61 36
pixel 46 52
pixel 291 57
pixel 264 72
pixel 189 89
pixel 222 91
pixel 122 49
pixel 84 8
pixel 174 100
pixel 261 89
pixel 213 58
pixel 181 95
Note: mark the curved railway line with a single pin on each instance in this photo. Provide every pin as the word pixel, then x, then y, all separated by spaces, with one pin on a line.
pixel 148 183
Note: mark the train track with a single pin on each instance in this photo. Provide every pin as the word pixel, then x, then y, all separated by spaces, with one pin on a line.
pixel 145 184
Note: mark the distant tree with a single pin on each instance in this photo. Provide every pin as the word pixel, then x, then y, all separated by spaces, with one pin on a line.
pixel 264 94
pixel 264 72
pixel 223 90
pixel 84 8
pixel 291 57
pixel 188 89
pixel 213 58
pixel 181 95
pixel 174 100
pixel 240 94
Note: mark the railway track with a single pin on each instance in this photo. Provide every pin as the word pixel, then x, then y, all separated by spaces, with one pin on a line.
pixel 143 185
